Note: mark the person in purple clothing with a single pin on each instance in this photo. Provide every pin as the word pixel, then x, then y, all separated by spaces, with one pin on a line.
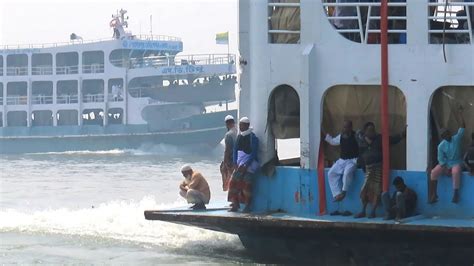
pixel 449 161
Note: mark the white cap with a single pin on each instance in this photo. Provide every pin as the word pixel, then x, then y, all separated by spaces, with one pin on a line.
pixel 245 120
pixel 227 118
pixel 186 167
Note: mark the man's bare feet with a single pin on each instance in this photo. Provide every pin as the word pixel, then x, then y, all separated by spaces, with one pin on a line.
pixel 360 215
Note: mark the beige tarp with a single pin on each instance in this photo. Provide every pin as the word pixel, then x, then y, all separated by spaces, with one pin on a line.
pixel 285 18
pixel 445 107
pixel 361 104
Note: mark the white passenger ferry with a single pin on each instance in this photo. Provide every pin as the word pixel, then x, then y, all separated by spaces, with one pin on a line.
pixel 308 65
pixel 125 92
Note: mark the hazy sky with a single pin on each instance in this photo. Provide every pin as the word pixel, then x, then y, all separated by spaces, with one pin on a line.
pixel 195 21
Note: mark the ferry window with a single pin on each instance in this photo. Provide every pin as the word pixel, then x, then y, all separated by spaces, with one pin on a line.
pixel 1 65
pixel 361 104
pixel 42 118
pixel 450 22
pixel 1 119
pixel 284 23
pixel 17 65
pixel 93 62
pixel 444 113
pixel 17 119
pixel 115 116
pixel 115 88
pixel 67 63
pixel 42 92
pixel 92 90
pixel 283 121
pixel 360 22
pixel 1 93
pixel 67 91
pixel 67 118
pixel 17 93
pixel 42 64
pixel 120 57
pixel 93 117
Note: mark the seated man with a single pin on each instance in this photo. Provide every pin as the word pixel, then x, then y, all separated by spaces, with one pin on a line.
pixel 343 169
pixel 194 188
pixel 246 162
pixel 469 156
pixel 449 161
pixel 403 201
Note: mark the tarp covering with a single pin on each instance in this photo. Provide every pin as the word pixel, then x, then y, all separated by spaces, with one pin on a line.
pixel 285 18
pixel 445 106
pixel 284 113
pixel 361 104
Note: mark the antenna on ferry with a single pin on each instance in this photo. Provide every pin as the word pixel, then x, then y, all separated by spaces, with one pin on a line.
pixel 118 22
pixel 151 25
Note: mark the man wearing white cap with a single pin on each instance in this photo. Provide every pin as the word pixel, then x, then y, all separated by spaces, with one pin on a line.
pixel 194 188
pixel 227 165
pixel 246 161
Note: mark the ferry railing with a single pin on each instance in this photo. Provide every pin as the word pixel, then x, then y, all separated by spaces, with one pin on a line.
pixel 67 99
pixel 115 98
pixel 445 15
pixel 67 70
pixel 1 100
pixel 76 42
pixel 93 98
pixel 1 71
pixel 276 32
pixel 42 70
pixel 139 92
pixel 17 71
pixel 42 99
pixel 366 20
pixel 182 60
pixel 93 68
pixel 17 100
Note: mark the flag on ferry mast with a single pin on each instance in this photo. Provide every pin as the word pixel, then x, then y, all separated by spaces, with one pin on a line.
pixel 222 38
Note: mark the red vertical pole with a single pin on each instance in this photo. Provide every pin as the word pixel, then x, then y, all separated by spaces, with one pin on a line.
pixel 384 94
pixel 321 181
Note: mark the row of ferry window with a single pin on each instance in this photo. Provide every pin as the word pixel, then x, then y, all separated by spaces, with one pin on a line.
pixel 67 92
pixel 63 118
pixel 360 22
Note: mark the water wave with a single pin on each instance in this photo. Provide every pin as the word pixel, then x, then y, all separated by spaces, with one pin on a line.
pixel 120 220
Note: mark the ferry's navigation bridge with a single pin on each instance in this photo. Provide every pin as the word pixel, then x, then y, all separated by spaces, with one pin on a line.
pixel 310 64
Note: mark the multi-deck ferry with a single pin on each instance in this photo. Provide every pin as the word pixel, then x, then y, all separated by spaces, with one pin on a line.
pixel 128 91
pixel 307 65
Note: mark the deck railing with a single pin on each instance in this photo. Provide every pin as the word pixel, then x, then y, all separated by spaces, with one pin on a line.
pixel 67 99
pixel 1 100
pixel 42 99
pixel 285 29
pixel 1 71
pixel 366 21
pixel 76 42
pixel 42 70
pixel 445 15
pixel 93 68
pixel 93 98
pixel 182 60
pixel 17 71
pixel 17 100
pixel 66 70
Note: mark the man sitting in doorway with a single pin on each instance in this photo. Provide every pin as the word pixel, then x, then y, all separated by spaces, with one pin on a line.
pixel 449 161
pixel 372 160
pixel 403 201
pixel 469 156
pixel 194 188
pixel 342 172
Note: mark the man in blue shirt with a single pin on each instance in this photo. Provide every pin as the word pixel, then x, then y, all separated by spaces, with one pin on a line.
pixel 449 161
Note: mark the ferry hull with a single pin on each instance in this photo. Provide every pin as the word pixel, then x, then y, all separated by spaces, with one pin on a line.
pixel 37 144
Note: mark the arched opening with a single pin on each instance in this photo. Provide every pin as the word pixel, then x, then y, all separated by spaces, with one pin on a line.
pixel 67 118
pixel 444 113
pixel 93 117
pixel 42 118
pixel 115 116
pixel 361 104
pixel 283 123
pixel 17 119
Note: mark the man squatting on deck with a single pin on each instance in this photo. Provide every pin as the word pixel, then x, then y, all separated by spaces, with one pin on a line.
pixel 342 172
pixel 449 161
pixel 372 158
pixel 194 188
pixel 246 162
pixel 227 166
pixel 403 201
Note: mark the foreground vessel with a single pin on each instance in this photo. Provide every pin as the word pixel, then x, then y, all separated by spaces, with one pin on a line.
pixel 302 72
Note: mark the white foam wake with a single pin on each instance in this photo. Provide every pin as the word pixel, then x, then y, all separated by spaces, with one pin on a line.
pixel 121 220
